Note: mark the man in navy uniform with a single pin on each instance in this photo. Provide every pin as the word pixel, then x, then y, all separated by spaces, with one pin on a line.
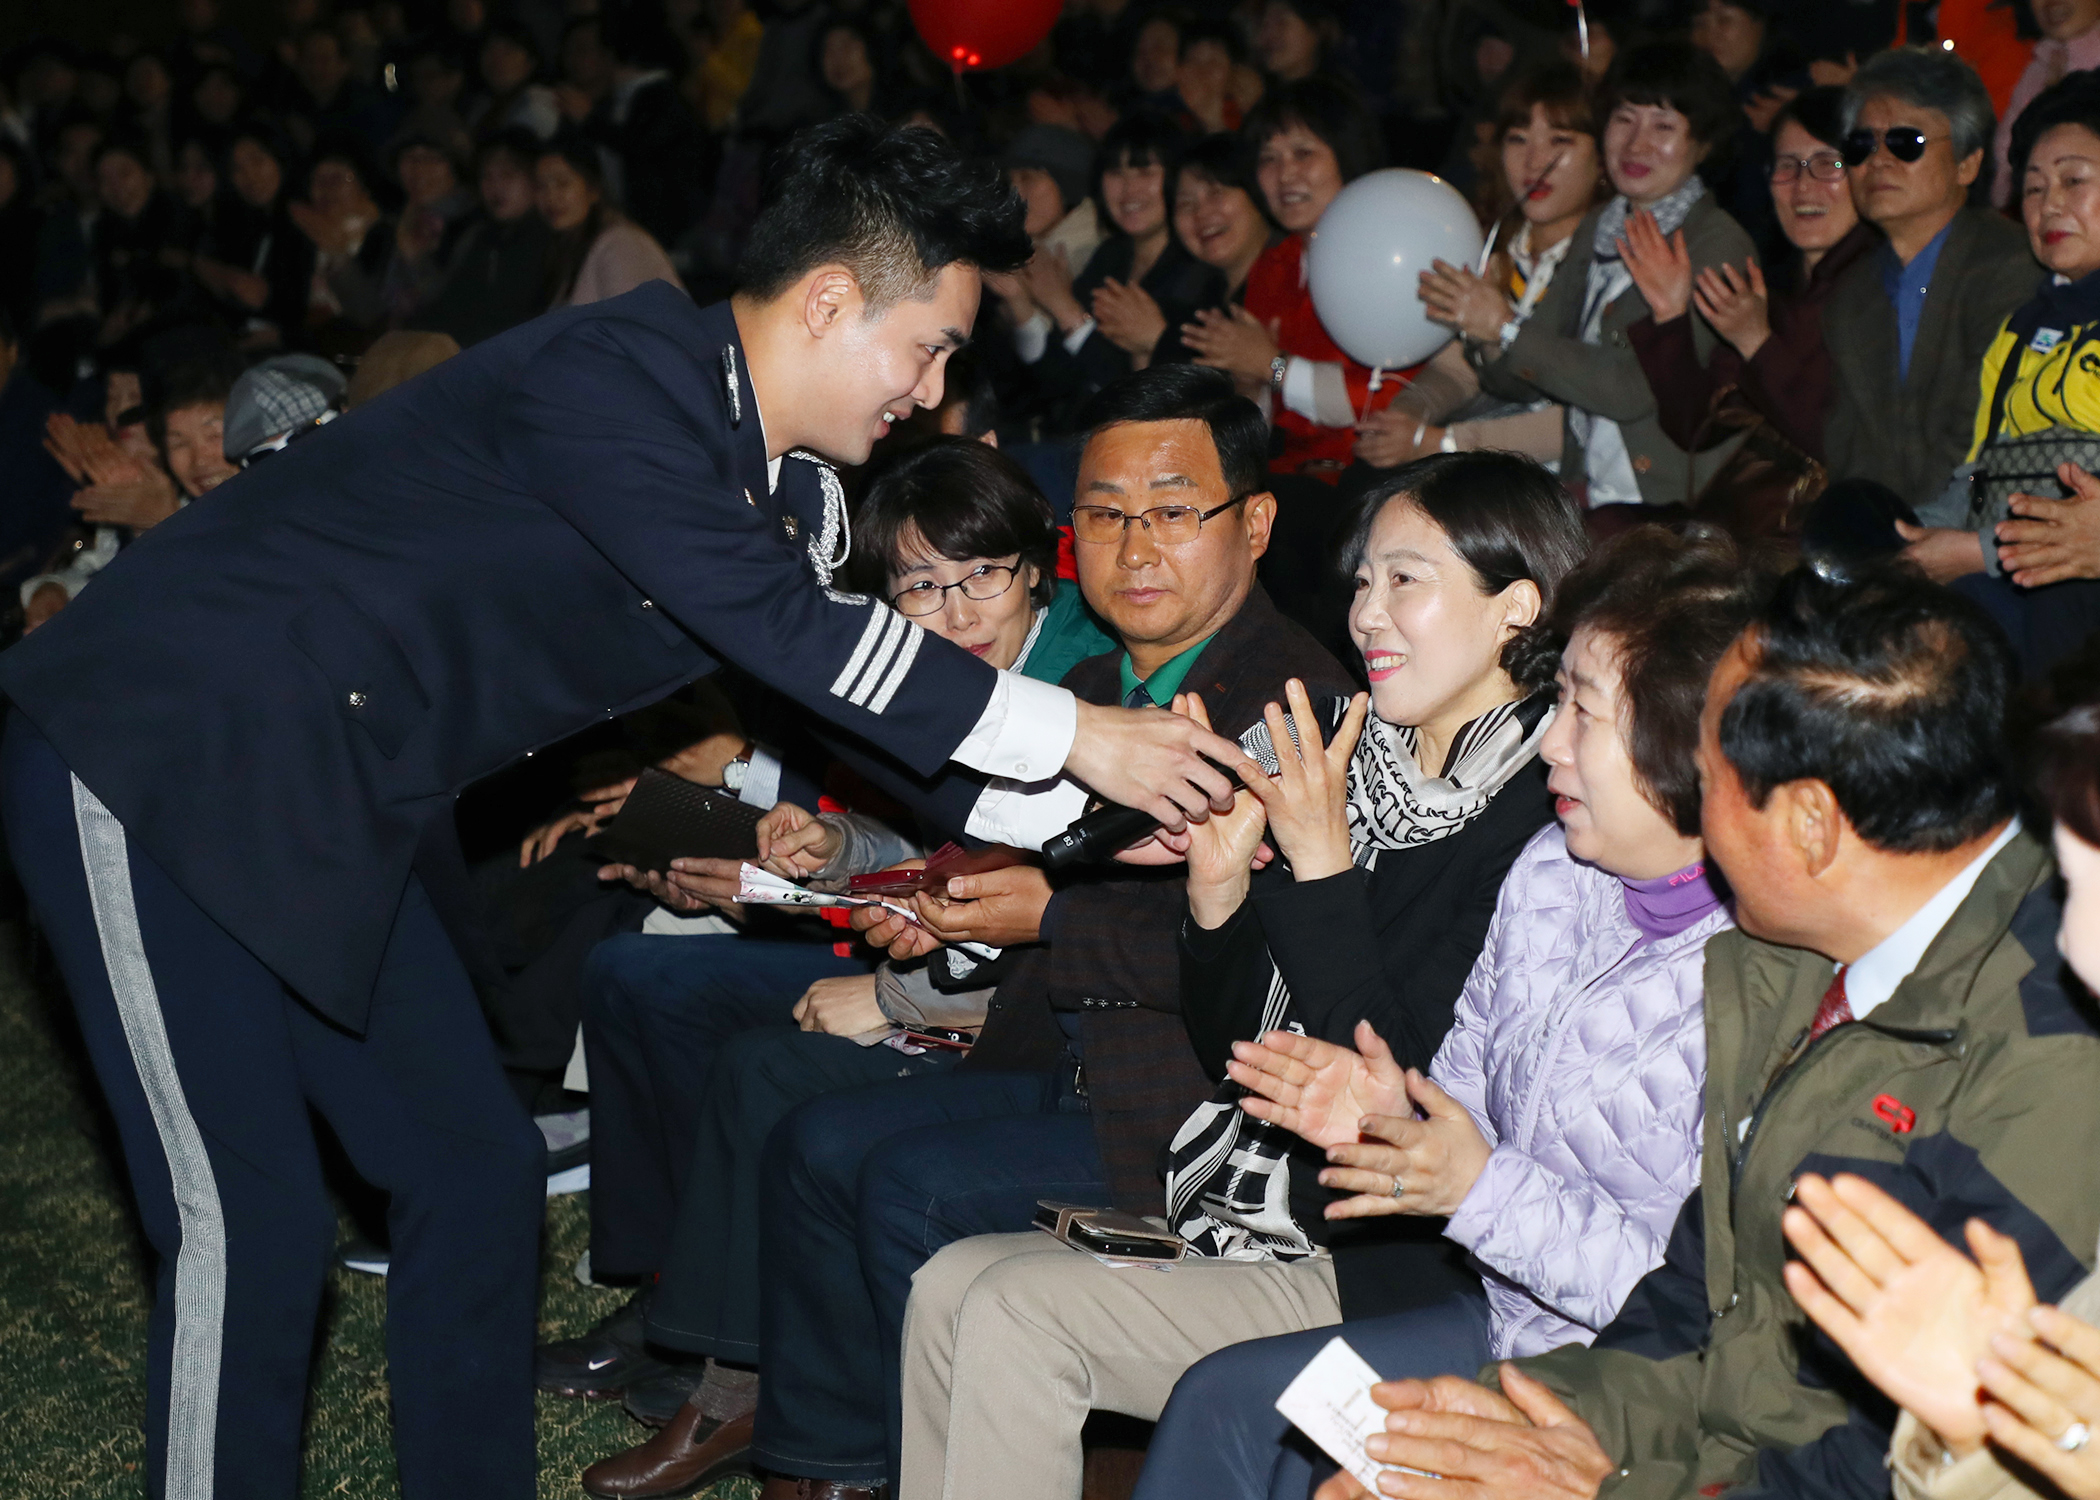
pixel 231 766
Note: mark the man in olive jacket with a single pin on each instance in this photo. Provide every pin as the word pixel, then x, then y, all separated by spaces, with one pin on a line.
pixel 1892 1006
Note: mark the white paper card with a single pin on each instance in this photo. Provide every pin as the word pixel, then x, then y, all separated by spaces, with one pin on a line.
pixel 1330 1402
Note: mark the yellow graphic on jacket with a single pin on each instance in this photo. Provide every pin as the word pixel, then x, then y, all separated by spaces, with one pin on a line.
pixel 2058 385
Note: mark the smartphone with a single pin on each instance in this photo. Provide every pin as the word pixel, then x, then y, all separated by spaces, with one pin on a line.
pixel 940 1037
pixel 1088 1235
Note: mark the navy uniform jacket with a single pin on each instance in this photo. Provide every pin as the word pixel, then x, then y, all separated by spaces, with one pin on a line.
pixel 277 690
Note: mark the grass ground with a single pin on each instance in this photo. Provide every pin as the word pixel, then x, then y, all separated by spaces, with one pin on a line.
pixel 73 1301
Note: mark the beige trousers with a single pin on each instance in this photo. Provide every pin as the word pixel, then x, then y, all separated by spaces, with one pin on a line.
pixel 1011 1339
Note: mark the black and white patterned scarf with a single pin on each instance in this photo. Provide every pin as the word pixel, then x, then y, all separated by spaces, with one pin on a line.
pixel 1229 1174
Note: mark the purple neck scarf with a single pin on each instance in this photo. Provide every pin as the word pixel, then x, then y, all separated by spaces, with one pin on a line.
pixel 1670 903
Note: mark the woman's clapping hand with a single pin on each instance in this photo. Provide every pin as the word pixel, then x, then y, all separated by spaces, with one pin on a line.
pixel 1307 802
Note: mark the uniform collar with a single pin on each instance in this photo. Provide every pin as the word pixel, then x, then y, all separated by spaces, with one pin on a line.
pixel 730 376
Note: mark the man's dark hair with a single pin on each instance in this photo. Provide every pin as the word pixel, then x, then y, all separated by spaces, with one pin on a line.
pixel 1508 519
pixel 201 380
pixel 1888 689
pixel 894 206
pixel 1677 75
pixel 1332 110
pixel 2073 101
pixel 964 499
pixel 1191 393
pixel 1671 603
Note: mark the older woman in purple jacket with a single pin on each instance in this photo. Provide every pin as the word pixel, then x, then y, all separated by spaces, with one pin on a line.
pixel 1557 1130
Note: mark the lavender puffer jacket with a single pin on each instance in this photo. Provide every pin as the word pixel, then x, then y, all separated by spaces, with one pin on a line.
pixel 1583 1058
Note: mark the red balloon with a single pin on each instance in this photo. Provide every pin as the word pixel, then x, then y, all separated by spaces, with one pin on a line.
pixel 975 34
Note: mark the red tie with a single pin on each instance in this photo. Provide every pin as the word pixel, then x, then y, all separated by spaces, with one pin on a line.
pixel 1835 1009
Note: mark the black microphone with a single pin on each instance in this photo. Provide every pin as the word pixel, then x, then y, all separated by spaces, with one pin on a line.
pixel 1099 834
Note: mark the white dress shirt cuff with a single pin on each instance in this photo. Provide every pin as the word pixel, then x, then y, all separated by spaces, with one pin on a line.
pixel 761 786
pixel 1025 731
pixel 1078 336
pixel 1032 338
pixel 1024 815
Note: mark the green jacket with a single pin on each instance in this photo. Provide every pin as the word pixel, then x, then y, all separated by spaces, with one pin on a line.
pixel 1972 1091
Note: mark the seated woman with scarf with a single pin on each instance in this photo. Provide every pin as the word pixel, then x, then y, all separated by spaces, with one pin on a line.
pixel 1556 1134
pixel 1396 824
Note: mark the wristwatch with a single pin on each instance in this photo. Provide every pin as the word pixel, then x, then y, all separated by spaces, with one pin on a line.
pixel 1510 330
pixel 735 770
pixel 1278 368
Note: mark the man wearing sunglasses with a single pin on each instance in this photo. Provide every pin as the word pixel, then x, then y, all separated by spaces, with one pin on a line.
pixel 1907 326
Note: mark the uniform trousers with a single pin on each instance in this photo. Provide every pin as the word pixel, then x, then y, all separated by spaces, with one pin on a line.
pixel 211 1069
pixel 1011 1339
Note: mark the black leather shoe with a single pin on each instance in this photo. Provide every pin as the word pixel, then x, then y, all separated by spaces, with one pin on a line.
pixel 653 1400
pixel 603 1362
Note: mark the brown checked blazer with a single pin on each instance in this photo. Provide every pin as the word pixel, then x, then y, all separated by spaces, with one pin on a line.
pixel 1110 951
pixel 1910 433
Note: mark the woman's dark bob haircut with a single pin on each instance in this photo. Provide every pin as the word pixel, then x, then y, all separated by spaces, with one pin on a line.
pixel 1509 519
pixel 1670 604
pixel 1332 110
pixel 1557 87
pixel 1676 75
pixel 962 499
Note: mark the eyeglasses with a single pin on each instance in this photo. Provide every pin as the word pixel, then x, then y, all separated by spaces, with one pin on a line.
pixel 1904 143
pixel 1824 166
pixel 1170 525
pixel 929 598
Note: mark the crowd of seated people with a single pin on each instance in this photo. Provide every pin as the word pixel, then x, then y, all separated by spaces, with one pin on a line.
pixel 1629 1010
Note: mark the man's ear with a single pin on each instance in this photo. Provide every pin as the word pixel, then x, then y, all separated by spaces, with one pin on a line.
pixel 1967 170
pixel 1260 521
pixel 1814 823
pixel 826 299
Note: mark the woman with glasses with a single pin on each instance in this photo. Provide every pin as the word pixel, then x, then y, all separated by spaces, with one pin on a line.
pixel 1771 328
pixel 1666 107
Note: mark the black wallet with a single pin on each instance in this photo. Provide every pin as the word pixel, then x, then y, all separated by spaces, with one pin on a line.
pixel 667 817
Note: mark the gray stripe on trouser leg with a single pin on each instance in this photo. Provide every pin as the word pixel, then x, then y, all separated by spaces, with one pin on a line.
pixel 200 1261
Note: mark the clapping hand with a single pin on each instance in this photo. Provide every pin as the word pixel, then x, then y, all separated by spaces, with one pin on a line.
pixel 1234 341
pixel 1307 801
pixel 1736 304
pixel 1316 1089
pixel 1409 1165
pixel 2048 541
pixel 1661 267
pixel 1221 850
pixel 1129 317
pixel 1913 1313
pixel 1464 301
pixel 2044 1386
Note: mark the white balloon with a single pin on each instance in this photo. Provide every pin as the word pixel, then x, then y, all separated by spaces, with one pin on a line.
pixel 1377 237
